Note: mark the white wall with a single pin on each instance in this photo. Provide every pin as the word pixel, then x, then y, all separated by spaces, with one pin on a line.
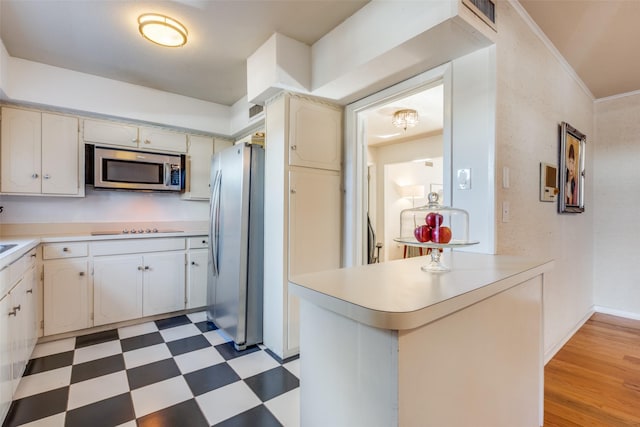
pixel 535 92
pixel 102 206
pixel 616 191
pixel 35 83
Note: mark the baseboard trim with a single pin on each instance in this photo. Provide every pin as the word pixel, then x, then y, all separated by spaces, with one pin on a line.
pixel 615 312
pixel 548 355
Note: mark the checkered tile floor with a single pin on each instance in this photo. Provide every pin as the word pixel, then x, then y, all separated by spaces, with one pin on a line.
pixel 172 372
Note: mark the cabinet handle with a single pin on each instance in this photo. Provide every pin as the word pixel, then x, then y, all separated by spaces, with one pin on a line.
pixel 65 249
pixel 146 267
pixel 294 147
pixel 134 140
pixel 204 242
pixel 29 291
pixel 12 313
pixel 34 176
pixel 81 273
pixel 140 268
pixel 16 308
pixel 146 141
pixel 193 263
pixel 293 191
pixel 33 255
pixel 46 176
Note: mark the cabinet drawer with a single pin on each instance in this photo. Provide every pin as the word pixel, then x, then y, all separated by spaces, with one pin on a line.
pixel 65 250
pixel 117 247
pixel 198 242
pixel 18 268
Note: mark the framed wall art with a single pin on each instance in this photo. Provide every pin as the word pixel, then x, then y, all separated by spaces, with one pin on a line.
pixel 571 173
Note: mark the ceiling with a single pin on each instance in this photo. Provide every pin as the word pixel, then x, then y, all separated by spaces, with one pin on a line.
pixel 100 37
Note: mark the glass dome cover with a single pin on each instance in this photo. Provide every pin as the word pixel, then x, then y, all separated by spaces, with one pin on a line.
pixel 434 226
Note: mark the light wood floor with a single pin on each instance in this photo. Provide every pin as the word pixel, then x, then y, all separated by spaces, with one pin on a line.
pixel 594 380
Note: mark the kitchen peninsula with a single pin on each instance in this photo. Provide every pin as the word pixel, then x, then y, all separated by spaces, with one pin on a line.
pixel 390 345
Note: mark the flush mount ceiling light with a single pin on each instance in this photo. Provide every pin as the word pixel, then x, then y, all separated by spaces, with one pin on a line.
pixel 405 118
pixel 162 30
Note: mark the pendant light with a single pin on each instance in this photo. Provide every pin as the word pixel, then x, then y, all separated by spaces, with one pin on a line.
pixel 405 118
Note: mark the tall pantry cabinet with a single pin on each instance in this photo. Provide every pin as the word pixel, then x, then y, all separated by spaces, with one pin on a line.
pixel 303 200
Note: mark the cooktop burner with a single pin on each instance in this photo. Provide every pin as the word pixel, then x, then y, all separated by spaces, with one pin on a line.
pixel 134 231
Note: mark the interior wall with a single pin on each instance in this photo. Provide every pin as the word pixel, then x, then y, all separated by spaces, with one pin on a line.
pixel 616 188
pixel 102 206
pixel 535 93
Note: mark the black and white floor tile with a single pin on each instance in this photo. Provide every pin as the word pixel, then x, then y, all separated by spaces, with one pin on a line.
pixel 172 372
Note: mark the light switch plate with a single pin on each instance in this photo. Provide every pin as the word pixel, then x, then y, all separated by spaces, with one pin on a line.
pixel 464 179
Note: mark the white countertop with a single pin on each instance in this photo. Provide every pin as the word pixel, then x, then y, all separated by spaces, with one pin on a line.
pixel 25 244
pixel 399 295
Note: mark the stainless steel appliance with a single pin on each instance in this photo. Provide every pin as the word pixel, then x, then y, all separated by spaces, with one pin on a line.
pixel 236 241
pixel 119 169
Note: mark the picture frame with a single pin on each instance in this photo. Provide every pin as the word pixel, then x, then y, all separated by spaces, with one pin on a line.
pixel 571 173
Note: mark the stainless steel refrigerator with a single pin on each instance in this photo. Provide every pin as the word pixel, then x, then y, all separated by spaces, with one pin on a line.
pixel 236 243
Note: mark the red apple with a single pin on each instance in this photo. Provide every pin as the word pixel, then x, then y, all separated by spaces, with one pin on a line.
pixel 433 219
pixel 441 234
pixel 422 233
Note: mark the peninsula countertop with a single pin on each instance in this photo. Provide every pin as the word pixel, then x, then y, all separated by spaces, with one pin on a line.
pixel 398 295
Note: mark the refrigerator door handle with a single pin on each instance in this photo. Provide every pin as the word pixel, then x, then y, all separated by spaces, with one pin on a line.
pixel 214 224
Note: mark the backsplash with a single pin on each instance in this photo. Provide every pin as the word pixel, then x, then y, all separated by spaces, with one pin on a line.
pixel 101 207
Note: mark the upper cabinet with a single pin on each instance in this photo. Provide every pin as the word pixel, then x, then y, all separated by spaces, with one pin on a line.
pixel 40 153
pixel 315 135
pixel 135 137
pixel 199 154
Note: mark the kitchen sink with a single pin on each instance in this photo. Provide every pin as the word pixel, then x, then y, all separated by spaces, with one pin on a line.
pixel 4 248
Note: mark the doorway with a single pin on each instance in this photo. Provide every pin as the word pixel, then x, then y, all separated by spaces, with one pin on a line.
pixel 397 166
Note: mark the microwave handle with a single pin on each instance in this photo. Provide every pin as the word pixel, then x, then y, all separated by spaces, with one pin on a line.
pixel 167 174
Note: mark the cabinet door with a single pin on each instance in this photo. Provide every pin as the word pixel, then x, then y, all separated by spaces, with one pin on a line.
pixel 117 288
pixel 67 297
pixel 20 151
pixel 315 135
pixel 18 334
pixel 197 278
pixel 164 283
pixel 101 132
pixel 30 310
pixel 199 167
pixel 162 140
pixel 60 157
pixel 314 221
pixel 6 390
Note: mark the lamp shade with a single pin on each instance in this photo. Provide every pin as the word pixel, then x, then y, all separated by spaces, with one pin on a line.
pixel 162 30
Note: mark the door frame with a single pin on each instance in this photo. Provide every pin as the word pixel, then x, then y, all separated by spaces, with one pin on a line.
pixel 355 155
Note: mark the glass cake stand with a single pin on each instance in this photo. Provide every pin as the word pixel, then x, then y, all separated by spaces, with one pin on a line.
pixel 435 264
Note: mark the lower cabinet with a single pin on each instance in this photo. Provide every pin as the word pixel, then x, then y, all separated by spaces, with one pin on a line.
pixel 127 287
pixel 67 296
pixel 18 325
pixel 197 278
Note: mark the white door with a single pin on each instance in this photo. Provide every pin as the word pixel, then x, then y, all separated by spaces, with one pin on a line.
pixel 197 278
pixel 162 140
pixel 5 355
pixel 199 167
pixel 101 132
pixel 117 288
pixel 20 151
pixel 30 294
pixel 67 298
pixel 60 156
pixel 164 283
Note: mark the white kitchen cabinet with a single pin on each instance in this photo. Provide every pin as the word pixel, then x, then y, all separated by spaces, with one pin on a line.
pixel 200 152
pixel 67 296
pixel 40 153
pixel 303 208
pixel 162 140
pixel 163 283
pixel 18 325
pixel 197 278
pixel 117 288
pixel 110 133
pixel 141 283
pixel 315 134
pixel 104 132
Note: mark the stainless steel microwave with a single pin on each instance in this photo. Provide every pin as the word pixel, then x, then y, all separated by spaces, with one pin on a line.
pixel 119 169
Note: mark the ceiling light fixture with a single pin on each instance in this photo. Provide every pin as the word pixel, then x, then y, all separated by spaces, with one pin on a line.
pixel 405 118
pixel 162 30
